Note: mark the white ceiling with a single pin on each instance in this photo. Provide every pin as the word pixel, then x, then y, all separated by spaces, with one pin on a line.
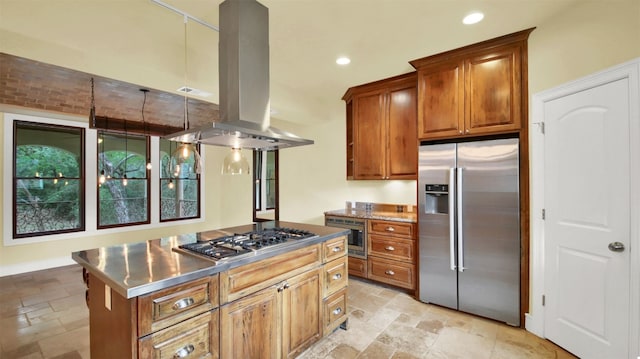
pixel 306 36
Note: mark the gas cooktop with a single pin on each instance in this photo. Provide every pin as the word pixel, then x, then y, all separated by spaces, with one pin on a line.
pixel 238 244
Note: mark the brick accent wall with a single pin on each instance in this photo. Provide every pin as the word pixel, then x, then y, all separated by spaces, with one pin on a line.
pixel 36 85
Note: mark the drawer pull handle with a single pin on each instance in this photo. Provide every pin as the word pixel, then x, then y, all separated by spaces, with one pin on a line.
pixel 184 351
pixel 389 248
pixel 337 276
pixel 390 229
pixel 183 303
pixel 390 272
pixel 337 311
pixel 337 249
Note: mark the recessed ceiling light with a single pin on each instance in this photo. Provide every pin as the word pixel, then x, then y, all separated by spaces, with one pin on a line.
pixel 473 18
pixel 343 60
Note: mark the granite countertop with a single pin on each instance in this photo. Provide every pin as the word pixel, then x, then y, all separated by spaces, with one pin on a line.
pixel 139 268
pixel 411 217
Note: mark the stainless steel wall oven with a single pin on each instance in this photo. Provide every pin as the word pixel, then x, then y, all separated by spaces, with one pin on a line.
pixel 357 236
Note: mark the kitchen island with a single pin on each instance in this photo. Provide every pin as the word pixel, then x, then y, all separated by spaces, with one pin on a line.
pixel 151 300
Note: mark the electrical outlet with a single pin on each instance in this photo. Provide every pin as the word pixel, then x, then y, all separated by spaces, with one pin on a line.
pixel 107 297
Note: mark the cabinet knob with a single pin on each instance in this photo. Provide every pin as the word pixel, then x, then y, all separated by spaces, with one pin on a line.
pixel 467 130
pixel 337 311
pixel 337 276
pixel 389 248
pixel 389 272
pixel 390 229
pixel 460 132
pixel 337 249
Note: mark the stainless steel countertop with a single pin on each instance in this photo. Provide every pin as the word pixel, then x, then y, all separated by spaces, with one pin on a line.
pixel 139 268
pixel 411 217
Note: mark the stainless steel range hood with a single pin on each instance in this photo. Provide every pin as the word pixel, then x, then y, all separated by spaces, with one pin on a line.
pixel 244 84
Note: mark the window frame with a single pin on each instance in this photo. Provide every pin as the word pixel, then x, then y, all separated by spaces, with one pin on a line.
pixel 160 179
pixel 147 178
pixel 15 123
pixel 90 183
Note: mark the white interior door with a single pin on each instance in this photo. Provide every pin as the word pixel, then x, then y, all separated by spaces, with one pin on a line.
pixel 587 161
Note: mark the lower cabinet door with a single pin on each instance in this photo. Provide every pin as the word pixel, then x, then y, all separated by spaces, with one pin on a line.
pixel 249 327
pixel 194 338
pixel 301 307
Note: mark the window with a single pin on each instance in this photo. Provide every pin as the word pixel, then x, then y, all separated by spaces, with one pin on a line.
pixel 265 191
pixel 123 186
pixel 179 183
pixel 48 182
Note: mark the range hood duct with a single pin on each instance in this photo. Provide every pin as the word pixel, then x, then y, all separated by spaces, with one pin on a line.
pixel 244 84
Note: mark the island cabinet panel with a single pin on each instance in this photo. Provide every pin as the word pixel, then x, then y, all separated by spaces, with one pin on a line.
pixel 301 308
pixel 196 338
pixel 166 307
pixel 161 324
pixel 250 327
pixel 114 317
pixel 241 281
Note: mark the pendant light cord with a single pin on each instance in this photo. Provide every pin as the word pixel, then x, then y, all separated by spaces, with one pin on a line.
pixel 186 88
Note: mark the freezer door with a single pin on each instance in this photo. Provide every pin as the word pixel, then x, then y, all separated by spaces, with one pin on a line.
pixel 489 230
pixel 437 278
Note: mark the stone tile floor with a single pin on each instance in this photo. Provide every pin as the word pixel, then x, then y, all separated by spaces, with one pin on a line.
pixel 43 315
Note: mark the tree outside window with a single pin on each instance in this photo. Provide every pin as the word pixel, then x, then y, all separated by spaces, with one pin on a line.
pixel 48 182
pixel 179 184
pixel 123 181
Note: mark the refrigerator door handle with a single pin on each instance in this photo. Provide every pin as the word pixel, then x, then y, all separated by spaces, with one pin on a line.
pixel 452 219
pixel 461 267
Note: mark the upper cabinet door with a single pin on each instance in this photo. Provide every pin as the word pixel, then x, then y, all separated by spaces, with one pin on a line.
pixel 493 96
pixel 441 101
pixel 402 154
pixel 369 136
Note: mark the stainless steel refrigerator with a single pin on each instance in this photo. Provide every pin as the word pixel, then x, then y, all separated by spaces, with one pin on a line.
pixel 469 225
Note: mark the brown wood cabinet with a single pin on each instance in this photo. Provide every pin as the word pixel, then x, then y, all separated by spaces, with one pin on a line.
pixel 381 129
pixel 391 253
pixel 278 321
pixel 280 303
pixel 475 90
pixel 179 320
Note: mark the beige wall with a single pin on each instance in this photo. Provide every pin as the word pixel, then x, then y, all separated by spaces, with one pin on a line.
pixel 586 38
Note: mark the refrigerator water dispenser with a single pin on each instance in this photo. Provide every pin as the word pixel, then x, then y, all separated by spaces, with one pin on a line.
pixel 436 199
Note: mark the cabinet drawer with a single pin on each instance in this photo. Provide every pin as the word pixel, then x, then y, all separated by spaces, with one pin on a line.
pixel 391 272
pixel 335 275
pixel 388 247
pixel 166 307
pixel 335 310
pixel 194 338
pixel 242 281
pixel 357 267
pixel 404 229
pixel 334 248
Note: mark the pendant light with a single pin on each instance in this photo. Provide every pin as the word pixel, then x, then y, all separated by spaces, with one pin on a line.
pixel 235 163
pixel 144 124
pixel 183 152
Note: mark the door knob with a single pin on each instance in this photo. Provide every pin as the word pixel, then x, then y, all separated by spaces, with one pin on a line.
pixel 616 247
